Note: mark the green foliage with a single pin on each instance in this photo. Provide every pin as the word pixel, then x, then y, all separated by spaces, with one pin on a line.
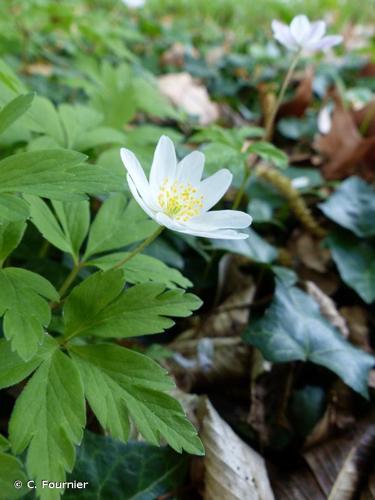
pixel 14 109
pixel 48 418
pixel 14 369
pixel 352 206
pixel 294 329
pixel 74 127
pixel 117 224
pixel 133 470
pixel 119 382
pixel 24 308
pixel 270 153
pixel 355 260
pixel 67 228
pixel 11 470
pixel 100 307
pixel 11 234
pixel 56 174
pixel 118 93
pixel 143 268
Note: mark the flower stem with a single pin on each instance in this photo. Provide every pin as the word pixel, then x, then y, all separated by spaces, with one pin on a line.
pixel 69 279
pixel 140 247
pixel 271 119
pixel 268 130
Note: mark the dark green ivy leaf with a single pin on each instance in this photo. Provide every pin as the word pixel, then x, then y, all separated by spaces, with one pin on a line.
pixel 355 260
pixel 293 329
pixel 125 471
pixel 352 206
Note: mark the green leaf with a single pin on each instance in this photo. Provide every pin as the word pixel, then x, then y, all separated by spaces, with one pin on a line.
pixel 352 206
pixel 126 471
pixel 355 260
pixel 306 409
pixel 119 382
pixel 12 208
pixel 100 307
pixel 4 443
pixel 14 109
pixel 254 247
pixel 45 221
pixel 75 221
pixel 143 268
pixel 67 229
pixel 57 174
pixel 25 310
pixel 270 153
pixel 48 418
pixel 117 224
pixel 293 329
pixel 11 234
pixel 11 470
pixel 13 369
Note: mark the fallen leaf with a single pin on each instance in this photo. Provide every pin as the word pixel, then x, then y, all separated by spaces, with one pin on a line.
pixel 327 308
pixel 346 150
pixel 206 361
pixel 39 68
pixel 309 251
pixel 233 470
pixel 184 92
pixel 357 321
pixel 302 99
pixel 341 464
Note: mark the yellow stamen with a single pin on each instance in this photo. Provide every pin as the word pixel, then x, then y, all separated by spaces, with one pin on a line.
pixel 180 201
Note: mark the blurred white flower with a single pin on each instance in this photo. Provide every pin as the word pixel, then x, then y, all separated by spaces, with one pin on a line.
pixel 324 120
pixel 134 4
pixel 300 182
pixel 303 35
pixel 177 198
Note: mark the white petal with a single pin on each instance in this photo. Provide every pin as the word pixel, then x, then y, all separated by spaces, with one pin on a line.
pixel 220 219
pixel 300 27
pixel 282 34
pixel 220 234
pixel 317 31
pixel 190 168
pixel 136 173
pixel 214 187
pixel 326 43
pixel 164 163
pixel 324 120
pixel 139 199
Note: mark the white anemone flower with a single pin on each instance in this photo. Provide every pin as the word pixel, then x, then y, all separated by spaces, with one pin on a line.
pixel 176 197
pixel 301 35
pixel 134 4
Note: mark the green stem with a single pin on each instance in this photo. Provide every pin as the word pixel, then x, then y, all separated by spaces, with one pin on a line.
pixel 241 191
pixel 268 130
pixel 280 97
pixel 139 248
pixel 69 279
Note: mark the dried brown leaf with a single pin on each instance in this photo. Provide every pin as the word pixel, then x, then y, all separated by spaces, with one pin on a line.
pixel 184 92
pixel 201 362
pixel 347 151
pixel 339 465
pixel 327 308
pixel 233 470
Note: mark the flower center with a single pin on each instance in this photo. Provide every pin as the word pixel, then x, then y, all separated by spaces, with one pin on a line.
pixel 179 200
